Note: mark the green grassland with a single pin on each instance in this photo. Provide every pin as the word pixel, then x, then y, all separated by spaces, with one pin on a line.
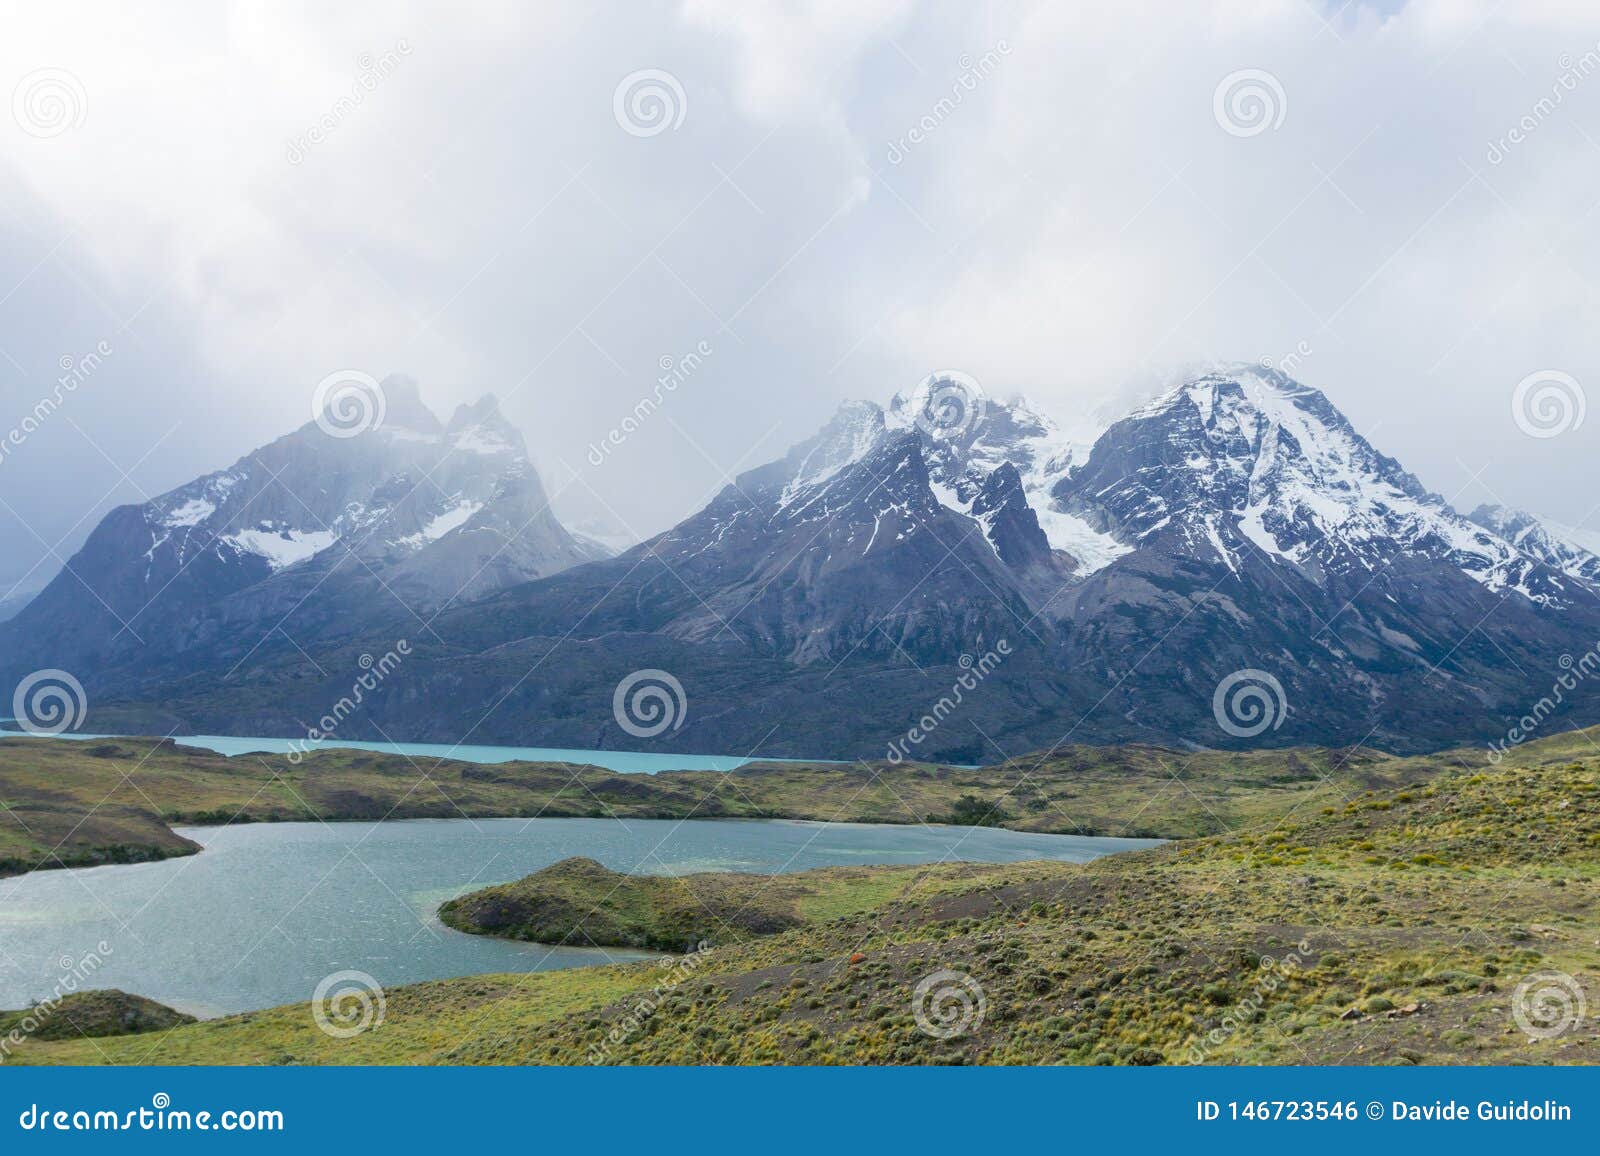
pixel 1373 921
pixel 79 803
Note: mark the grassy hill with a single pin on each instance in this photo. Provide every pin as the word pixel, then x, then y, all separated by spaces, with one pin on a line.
pixel 1391 924
pixel 580 902
pixel 87 1015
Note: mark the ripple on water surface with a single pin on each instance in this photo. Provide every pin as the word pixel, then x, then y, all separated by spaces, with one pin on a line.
pixel 268 910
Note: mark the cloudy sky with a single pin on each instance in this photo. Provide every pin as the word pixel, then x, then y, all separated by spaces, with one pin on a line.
pixel 231 200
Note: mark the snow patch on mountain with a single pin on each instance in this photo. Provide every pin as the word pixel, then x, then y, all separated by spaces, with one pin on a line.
pixel 1089 547
pixel 483 440
pixel 281 547
pixel 1043 453
pixel 190 513
pixel 442 523
pixel 402 434
pixel 950 498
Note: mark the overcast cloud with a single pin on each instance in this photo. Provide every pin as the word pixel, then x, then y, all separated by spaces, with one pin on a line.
pixel 1076 220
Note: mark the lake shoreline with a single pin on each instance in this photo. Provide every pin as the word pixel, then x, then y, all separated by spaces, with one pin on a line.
pixel 269 911
pixel 93 802
pixel 177 827
pixel 485 754
pixel 1353 915
pixel 101 802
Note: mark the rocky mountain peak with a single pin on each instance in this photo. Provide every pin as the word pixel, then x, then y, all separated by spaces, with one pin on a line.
pixel 403 407
pixel 1503 520
pixel 963 461
pixel 1248 462
pixel 855 430
pixel 482 429
pixel 430 512
pixel 1562 548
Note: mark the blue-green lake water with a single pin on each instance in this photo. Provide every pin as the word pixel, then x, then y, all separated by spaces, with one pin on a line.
pixel 627 762
pixel 268 910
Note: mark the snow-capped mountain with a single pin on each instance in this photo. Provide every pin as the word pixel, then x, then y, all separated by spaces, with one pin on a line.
pixel 837 550
pixel 402 496
pixel 420 511
pixel 1250 462
pixel 842 547
pixel 964 456
pixel 821 603
pixel 1561 548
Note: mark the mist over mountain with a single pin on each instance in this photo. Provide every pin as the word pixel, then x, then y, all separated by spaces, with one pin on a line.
pixel 1115 576
pixel 311 535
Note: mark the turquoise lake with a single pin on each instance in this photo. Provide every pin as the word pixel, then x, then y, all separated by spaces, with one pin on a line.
pixel 627 762
pixel 268 910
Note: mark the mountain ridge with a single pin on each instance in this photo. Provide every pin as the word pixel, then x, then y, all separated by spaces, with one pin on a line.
pixel 819 604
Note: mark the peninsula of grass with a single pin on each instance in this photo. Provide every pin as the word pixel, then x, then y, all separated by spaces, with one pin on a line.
pixel 579 902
